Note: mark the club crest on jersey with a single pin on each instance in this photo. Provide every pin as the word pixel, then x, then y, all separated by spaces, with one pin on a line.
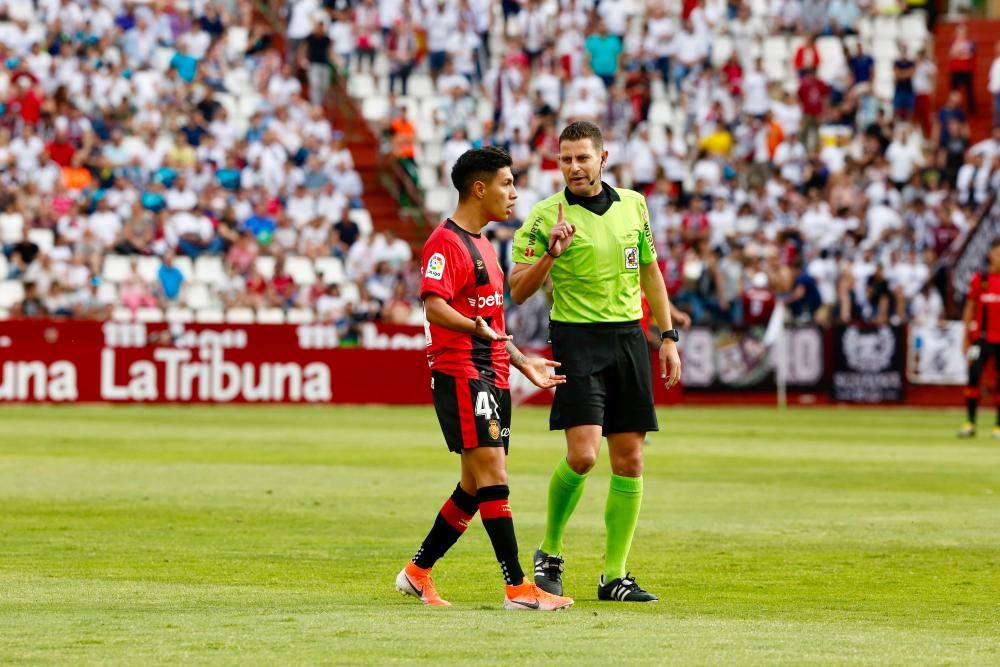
pixel 435 266
pixel 632 257
pixel 494 429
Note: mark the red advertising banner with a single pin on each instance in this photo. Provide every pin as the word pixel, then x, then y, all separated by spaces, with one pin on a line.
pixel 58 361
pixel 67 361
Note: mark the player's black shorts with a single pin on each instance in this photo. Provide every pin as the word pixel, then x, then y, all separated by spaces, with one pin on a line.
pixel 609 377
pixel 472 413
pixel 979 355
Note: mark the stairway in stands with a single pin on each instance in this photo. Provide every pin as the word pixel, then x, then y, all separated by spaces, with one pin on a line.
pixel 385 209
pixel 984 33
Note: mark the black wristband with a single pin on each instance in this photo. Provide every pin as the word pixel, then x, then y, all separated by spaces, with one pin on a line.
pixel 548 251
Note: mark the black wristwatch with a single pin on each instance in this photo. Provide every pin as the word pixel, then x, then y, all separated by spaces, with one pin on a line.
pixel 670 334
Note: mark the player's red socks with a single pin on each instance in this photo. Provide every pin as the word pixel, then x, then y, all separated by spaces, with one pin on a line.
pixel 494 509
pixel 451 522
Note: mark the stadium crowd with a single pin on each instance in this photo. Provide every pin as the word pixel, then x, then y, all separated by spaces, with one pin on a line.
pixel 160 155
pixel 816 173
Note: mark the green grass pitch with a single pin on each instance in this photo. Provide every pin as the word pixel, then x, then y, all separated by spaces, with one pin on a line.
pixel 271 535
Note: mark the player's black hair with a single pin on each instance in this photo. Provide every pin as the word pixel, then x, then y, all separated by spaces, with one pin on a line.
pixel 582 129
pixel 478 164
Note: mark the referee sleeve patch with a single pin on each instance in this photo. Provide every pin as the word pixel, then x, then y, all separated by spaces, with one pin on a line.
pixel 632 257
pixel 435 267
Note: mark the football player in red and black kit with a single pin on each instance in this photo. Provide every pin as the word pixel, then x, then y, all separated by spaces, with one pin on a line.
pixel 982 326
pixel 470 356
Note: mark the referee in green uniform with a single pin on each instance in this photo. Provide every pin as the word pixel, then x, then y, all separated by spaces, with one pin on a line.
pixel 596 244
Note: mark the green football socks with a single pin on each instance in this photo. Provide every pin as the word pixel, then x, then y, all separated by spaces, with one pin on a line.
pixel 565 490
pixel 620 516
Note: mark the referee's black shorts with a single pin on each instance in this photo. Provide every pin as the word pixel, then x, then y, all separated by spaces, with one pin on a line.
pixel 609 378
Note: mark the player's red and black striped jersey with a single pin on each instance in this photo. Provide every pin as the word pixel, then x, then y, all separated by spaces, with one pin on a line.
pixel 985 297
pixel 462 269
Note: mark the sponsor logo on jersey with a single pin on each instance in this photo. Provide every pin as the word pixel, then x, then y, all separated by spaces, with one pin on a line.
pixel 632 257
pixel 495 299
pixel 435 266
pixel 529 252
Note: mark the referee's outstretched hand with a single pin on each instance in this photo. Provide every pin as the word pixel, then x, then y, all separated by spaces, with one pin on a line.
pixel 561 235
pixel 670 363
pixel 483 330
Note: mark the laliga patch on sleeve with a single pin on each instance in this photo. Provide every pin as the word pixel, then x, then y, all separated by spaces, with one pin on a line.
pixel 632 257
pixel 435 266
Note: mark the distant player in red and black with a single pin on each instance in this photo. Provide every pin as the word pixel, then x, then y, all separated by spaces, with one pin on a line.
pixel 470 355
pixel 982 326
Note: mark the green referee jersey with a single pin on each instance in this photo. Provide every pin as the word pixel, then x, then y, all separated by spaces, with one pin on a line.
pixel 596 279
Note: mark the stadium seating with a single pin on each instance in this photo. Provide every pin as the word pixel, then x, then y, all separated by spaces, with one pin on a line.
pixel 255 95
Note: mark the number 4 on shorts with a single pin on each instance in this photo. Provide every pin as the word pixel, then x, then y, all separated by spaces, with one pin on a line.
pixel 483 408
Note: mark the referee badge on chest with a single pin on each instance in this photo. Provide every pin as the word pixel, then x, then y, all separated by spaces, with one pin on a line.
pixel 632 257
pixel 494 429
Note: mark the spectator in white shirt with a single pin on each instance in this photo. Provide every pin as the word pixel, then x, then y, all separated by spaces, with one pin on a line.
pixel 301 207
pixel 181 197
pixel 994 85
pixel 614 13
pixel 27 149
pixel 904 155
pixel 453 148
pixel 756 100
pixel 349 183
pixel 105 224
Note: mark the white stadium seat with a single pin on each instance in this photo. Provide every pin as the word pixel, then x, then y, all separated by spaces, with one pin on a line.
pixel 300 316
pixel 363 219
pixel 182 315
pixel 108 292
pixel 428 177
pixel 430 154
pixel 239 316
pixel 149 268
pixel 420 85
pixel 11 292
pixel 722 48
pixel 265 266
pixel 43 238
pixel 438 200
pixel 913 27
pixel 428 130
pixel 196 295
pixel 237 40
pixel 331 269
pixel 116 268
pixel 350 292
pixel 361 86
pixel 375 108
pixel 210 269
pixel 184 265
pixel 122 314
pixel 300 269
pixel 270 316
pixel 148 315
pixel 660 113
pixel 209 316
pixel 3 266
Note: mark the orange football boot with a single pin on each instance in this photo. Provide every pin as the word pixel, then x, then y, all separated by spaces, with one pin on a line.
pixel 416 581
pixel 529 597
